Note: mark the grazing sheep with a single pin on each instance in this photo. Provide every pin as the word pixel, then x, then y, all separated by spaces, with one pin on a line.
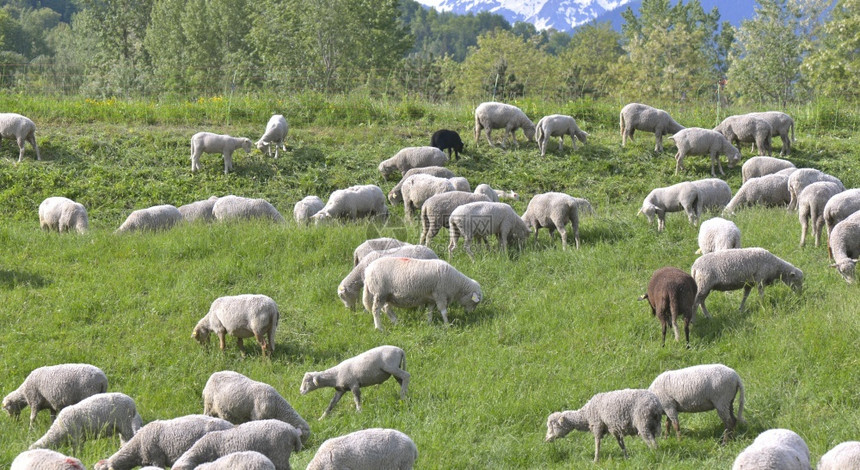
pixel 232 396
pixel 482 219
pixel 207 142
pixel 436 211
pixel 844 456
pixel 810 206
pixel 20 128
pixel 273 438
pixel 375 244
pixel 781 124
pixel 54 388
pixel 275 133
pixel 741 268
pixel 395 196
pixel 353 202
pixel 746 128
pixel 840 206
pixel 774 449
pixel 558 125
pixel 620 413
pixel 408 283
pixel 492 115
pixel 583 207
pixel 802 178
pixel 844 246
pixel 306 208
pixel 671 294
pixel 447 139
pixel 63 215
pixel 199 210
pixel 635 116
pixel 368 449
pixel 160 443
pixel 760 166
pixel 245 460
pixel 44 459
pixel 230 208
pixel 460 184
pixel 697 389
pixel 101 415
pixel 412 157
pixel 418 188
pixel 153 218
pixel 553 211
pixel 682 196
pixel 351 286
pixel 718 234
pixel 715 193
pixel 487 191
pixel 698 141
pixel 242 316
pixel 768 190
pixel 371 367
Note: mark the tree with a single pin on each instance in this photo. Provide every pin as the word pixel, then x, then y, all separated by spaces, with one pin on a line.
pixel 593 49
pixel 833 67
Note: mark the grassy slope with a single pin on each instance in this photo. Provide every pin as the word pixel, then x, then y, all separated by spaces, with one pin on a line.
pixel 556 327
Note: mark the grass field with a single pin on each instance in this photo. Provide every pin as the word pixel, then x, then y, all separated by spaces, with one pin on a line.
pixel 555 328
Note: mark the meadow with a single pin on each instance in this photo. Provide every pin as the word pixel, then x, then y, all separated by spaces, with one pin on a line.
pixel 555 327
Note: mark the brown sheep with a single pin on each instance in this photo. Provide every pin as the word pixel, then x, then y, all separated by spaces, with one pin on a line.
pixel 672 293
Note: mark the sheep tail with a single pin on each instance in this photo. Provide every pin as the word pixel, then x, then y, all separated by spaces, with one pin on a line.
pixel 741 402
pixel 792 131
pixel 643 297
pixel 539 133
pixel 272 327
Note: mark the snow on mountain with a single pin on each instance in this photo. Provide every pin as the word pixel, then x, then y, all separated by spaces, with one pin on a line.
pixel 562 15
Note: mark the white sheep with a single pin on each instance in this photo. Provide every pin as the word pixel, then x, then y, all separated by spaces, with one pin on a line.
pixel 840 206
pixel 54 388
pixel 495 195
pixel 620 413
pixel 492 115
pixel 396 197
pixel 275 133
pixel 351 286
pixel 715 193
pixel 275 439
pixel 760 166
pixel 153 218
pixel 101 415
pixel 418 188
pixel 63 215
pixel 231 396
pixel 160 443
pixel 306 208
pixel 245 460
pixel 45 459
pixel 810 207
pixel 844 456
pixel 747 128
pixel 636 116
pixel 375 244
pixel 460 184
pixel 767 190
pixel 412 157
pixel 20 128
pixel 242 316
pixel 480 220
pixel 553 210
pixel 354 202
pixel 697 389
pixel 741 268
pixel 774 449
pixel 436 211
pixel 199 210
pixel 229 208
pixel 803 177
pixel 558 125
pixel 844 246
pixel 368 449
pixel 681 196
pixel 371 367
pixel 409 283
pixel 781 124
pixel 207 142
pixel 698 141
pixel 718 234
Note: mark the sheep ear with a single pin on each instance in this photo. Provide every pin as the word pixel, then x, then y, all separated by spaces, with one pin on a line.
pixel 475 297
pixel 315 381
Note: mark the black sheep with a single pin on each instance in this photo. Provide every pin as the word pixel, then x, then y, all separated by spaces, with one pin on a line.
pixel 447 139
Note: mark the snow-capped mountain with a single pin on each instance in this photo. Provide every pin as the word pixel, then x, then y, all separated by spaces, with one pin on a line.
pixel 562 15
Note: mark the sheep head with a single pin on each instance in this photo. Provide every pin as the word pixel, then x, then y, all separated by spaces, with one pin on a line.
pixel 264 146
pixel 649 210
pixel 582 136
pixel 794 279
pixel 201 333
pixel 347 295
pixel 14 403
pixel 246 144
pixel 394 197
pixel 845 269
pixel 529 132
pixel 559 424
pixel 472 297
pixel 309 383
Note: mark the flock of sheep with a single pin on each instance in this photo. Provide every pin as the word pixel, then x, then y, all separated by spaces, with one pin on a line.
pixel 248 424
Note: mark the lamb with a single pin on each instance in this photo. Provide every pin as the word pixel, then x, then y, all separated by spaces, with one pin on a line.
pixel 407 283
pixel 273 438
pixel 153 218
pixel 44 459
pixel 447 139
pixel 635 116
pixel 306 208
pixel 275 133
pixel 160 443
pixel 845 246
pixel 494 195
pixel 353 202
pixel 245 460
pixel 492 115
pixel 747 128
pixel 207 142
pixel 760 166
pixel 840 206
pixel 242 316
pixel 418 188
pixel 698 141
pixel 460 184
pixel 774 449
pixel 351 286
pixel 715 193
pixel 20 128
pixel 371 367
pixel 781 124
pixel 810 206
pixel 63 215
pixel 767 190
pixel 553 211
pixel 395 196
pixel 482 219
pixel 718 234
pixel 101 415
pixel 54 388
pixel 741 268
pixel 558 125
pixel 802 178
pixel 436 211
pixel 368 449
pixel 230 208
pixel 620 413
pixel 700 388
pixel 671 293
pixel 412 157
pixel 199 210
pixel 682 196
pixel 375 244
pixel 843 456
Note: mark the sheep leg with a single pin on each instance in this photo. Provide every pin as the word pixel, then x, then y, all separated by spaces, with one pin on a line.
pixel 803 226
pixel 700 300
pixel 443 309
pixel 390 312
pixel 679 162
pixel 687 330
pixel 620 439
pixel 356 396
pixel 487 134
pixel 661 221
pixel 241 343
pixel 334 400
pixel 596 447
pixel 747 289
pixel 375 311
pixel 729 421
pixel 222 343
pixel 563 233
pixel 663 327
pixel 674 329
pixel 263 344
pixel 402 377
pixel 20 146
pixel 816 230
pixel 32 139
pixel 658 145
pixel 561 142
pixel 228 162
pixel 467 245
